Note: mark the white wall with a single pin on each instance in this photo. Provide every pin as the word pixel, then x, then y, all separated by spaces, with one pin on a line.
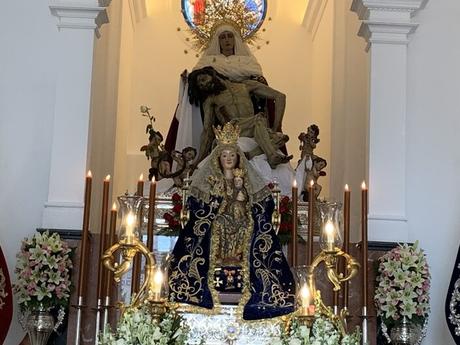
pixel 433 155
pixel 321 87
pixel 104 110
pixel 28 37
pixel 349 111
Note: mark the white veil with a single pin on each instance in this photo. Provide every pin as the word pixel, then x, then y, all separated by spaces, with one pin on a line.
pixel 240 66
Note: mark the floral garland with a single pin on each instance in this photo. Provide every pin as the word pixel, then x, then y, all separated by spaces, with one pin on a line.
pixel 137 326
pixel 43 273
pixel 3 293
pixel 403 284
pixel 322 332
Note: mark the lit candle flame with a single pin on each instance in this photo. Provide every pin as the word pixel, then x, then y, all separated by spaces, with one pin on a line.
pixel 130 220
pixel 153 179
pixel 312 183
pixel 329 229
pixel 158 277
pixel 294 183
pixel 141 177
pixel 347 189
pixel 305 295
pixel 114 206
pixel 363 185
pixel 305 291
pixel 89 174
pixel 107 178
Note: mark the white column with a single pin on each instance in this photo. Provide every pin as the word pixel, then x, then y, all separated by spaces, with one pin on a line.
pixel 387 26
pixel 78 23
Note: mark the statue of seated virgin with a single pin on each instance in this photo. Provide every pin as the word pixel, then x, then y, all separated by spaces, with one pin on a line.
pixel 229 244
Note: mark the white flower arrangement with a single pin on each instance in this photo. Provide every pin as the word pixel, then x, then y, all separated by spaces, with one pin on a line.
pixel 137 326
pixel 3 293
pixel 322 332
pixel 43 273
pixel 403 284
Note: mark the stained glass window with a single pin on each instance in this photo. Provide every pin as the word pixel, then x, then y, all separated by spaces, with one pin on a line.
pixel 194 10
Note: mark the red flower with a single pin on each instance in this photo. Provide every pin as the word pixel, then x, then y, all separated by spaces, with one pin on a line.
pixel 176 198
pixel 285 199
pixel 177 208
pixel 168 217
pixel 174 223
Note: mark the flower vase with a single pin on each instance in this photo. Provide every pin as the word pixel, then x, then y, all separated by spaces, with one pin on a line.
pixel 39 325
pixel 406 333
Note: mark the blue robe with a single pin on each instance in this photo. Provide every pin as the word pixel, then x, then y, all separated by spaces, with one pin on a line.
pixel 269 285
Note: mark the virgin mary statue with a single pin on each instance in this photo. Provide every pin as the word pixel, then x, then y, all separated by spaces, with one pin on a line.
pixel 229 244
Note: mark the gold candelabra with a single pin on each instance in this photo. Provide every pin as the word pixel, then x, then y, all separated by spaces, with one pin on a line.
pixel 129 246
pixel 329 259
pixel 150 291
pixel 309 298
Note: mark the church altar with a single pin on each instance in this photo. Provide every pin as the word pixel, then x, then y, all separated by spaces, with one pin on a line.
pixel 218 328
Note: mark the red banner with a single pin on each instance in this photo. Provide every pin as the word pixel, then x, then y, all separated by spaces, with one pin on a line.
pixel 6 299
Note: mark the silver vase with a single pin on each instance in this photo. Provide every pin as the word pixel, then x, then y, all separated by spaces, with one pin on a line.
pixel 406 333
pixel 40 325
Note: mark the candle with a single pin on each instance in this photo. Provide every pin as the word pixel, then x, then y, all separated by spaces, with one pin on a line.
pixel 308 308
pixel 329 234
pixel 346 244
pixel 140 185
pixel 100 268
pixel 157 284
pixel 294 197
pixel 108 274
pixel 151 219
pixel 311 205
pixel 84 237
pixel 110 242
pixel 364 210
pixel 129 232
pixel 136 273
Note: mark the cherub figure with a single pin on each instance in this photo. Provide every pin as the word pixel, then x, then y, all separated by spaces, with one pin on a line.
pixel 310 166
pixel 308 141
pixel 318 164
pixel 161 160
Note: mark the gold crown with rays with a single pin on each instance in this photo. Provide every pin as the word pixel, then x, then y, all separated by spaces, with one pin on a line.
pixel 218 12
pixel 228 135
pixel 238 172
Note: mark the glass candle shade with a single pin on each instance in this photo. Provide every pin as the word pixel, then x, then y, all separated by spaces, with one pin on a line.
pixel 159 277
pixel 130 214
pixel 331 237
pixel 305 287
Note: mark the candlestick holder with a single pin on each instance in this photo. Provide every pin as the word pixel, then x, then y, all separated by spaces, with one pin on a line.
pixel 329 259
pixel 276 215
pixel 330 243
pixel 152 288
pixel 184 212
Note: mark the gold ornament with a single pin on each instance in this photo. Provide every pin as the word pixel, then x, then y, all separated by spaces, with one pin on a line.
pixel 232 12
pixel 228 135
pixel 238 172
